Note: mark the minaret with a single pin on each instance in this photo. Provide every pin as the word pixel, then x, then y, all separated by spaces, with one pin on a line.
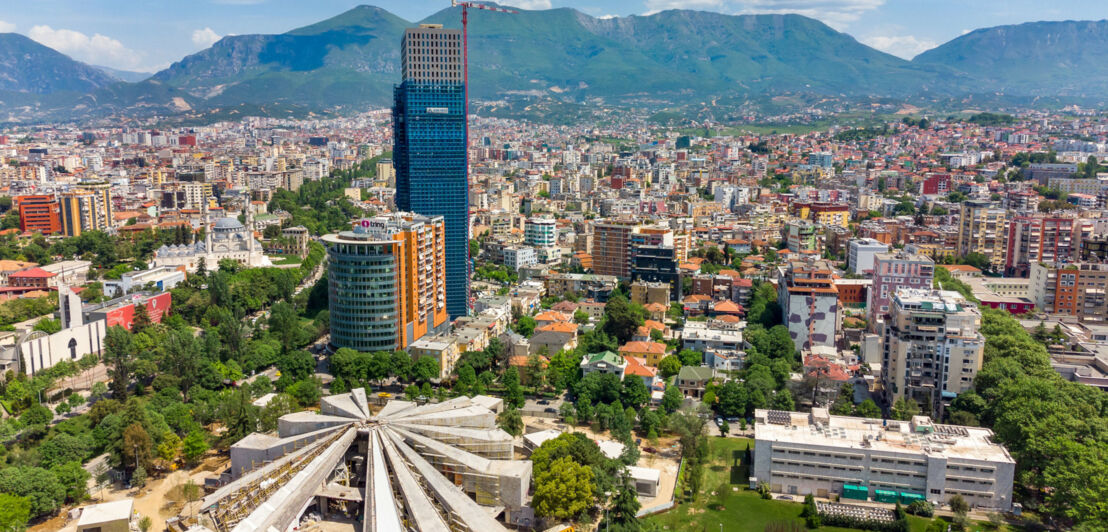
pixel 249 227
pixel 207 215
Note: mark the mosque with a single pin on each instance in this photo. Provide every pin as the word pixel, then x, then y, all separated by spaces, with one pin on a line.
pixel 227 238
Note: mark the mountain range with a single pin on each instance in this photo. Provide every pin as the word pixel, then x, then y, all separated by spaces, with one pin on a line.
pixel 351 61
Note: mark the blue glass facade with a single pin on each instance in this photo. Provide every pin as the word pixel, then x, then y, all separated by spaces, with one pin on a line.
pixel 429 154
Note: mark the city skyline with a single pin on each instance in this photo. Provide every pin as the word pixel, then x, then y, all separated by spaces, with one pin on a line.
pixel 149 38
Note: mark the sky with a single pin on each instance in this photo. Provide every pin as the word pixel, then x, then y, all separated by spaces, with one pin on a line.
pixel 149 35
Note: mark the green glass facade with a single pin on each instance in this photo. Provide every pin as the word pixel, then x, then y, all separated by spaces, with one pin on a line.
pixel 362 287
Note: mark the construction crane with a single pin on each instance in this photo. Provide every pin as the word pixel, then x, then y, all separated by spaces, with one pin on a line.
pixel 465 42
pixel 465 74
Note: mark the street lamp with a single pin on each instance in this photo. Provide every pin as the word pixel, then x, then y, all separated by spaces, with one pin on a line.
pixel 607 503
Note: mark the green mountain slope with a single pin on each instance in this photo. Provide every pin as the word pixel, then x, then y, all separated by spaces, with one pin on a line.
pixel 353 58
pixel 1037 58
pixel 29 67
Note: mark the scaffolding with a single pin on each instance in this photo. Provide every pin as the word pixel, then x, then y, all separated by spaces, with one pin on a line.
pixel 240 503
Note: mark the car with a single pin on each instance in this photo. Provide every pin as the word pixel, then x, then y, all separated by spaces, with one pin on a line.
pixel 650 449
pixel 719 421
pixel 732 419
pixel 551 410
pixel 543 401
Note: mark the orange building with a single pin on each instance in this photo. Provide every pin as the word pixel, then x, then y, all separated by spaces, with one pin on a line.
pixel 38 214
pixel 387 282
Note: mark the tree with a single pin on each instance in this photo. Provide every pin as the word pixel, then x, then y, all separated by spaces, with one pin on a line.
pixel 904 409
pixel 40 486
pixel 141 320
pixel 239 415
pixel 634 393
pixel 306 392
pixel 137 446
pixel 622 319
pixel 467 378
pixel 690 358
pixel 170 447
pixel 869 409
pixel 425 369
pixel 513 393
pixel 625 505
pixel 194 446
pixel 669 366
pixel 724 428
pixel 511 421
pixel 284 323
pixel 278 406
pixel 580 317
pixel 672 399
pixel 783 400
pixel 74 479
pixel 138 478
pixel 14 512
pixel 62 448
pixel 732 400
pixel 564 490
pixel 191 491
pixel 526 326
pixel 145 523
pixel 118 354
pixel 958 505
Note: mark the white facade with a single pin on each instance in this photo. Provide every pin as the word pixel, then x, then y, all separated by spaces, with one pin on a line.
pixel 517 257
pixel 541 232
pixel 817 453
pixel 861 253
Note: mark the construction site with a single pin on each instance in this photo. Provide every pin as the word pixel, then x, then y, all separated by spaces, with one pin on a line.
pixel 433 467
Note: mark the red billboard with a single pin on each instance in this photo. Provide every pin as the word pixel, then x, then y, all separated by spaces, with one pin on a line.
pixel 124 316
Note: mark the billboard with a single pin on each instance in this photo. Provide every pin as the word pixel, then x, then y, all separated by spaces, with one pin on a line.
pixel 124 316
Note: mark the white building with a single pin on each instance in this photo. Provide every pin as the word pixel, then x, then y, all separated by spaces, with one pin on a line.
pixel 932 347
pixel 227 238
pixel 861 252
pixel 516 257
pixel 713 336
pixel 817 453
pixel 541 232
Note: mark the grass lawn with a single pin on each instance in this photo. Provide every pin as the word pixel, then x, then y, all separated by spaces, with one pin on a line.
pixel 743 510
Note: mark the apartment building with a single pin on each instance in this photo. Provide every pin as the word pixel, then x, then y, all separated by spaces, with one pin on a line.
pixel 932 348
pixel 983 229
pixel 387 282
pixel 611 253
pixel 38 213
pixel 892 271
pixel 891 461
pixel 860 254
pixel 810 303
pixel 1037 238
pixel 1072 289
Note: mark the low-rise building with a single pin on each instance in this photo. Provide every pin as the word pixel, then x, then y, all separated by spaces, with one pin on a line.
pixel 693 381
pixel 824 455
pixel 603 362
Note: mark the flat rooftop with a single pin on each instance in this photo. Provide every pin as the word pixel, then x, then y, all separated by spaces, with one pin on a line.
pixel 865 434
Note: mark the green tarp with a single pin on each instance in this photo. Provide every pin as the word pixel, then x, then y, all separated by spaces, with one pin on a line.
pixel 851 491
pixel 908 498
pixel 885 496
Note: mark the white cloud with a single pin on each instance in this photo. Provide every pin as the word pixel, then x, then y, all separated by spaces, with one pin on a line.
pixel 97 50
pixel 6 27
pixel 205 37
pixel 529 4
pixel 835 13
pixel 903 46
pixel 606 17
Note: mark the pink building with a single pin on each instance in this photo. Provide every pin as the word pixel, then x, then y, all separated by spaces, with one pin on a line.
pixel 892 271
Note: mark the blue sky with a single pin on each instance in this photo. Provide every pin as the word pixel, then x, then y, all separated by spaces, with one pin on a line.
pixel 148 35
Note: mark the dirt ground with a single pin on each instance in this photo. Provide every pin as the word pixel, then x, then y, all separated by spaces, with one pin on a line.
pixel 160 499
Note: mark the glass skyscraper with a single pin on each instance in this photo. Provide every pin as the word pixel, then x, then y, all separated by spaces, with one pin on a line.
pixel 429 150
